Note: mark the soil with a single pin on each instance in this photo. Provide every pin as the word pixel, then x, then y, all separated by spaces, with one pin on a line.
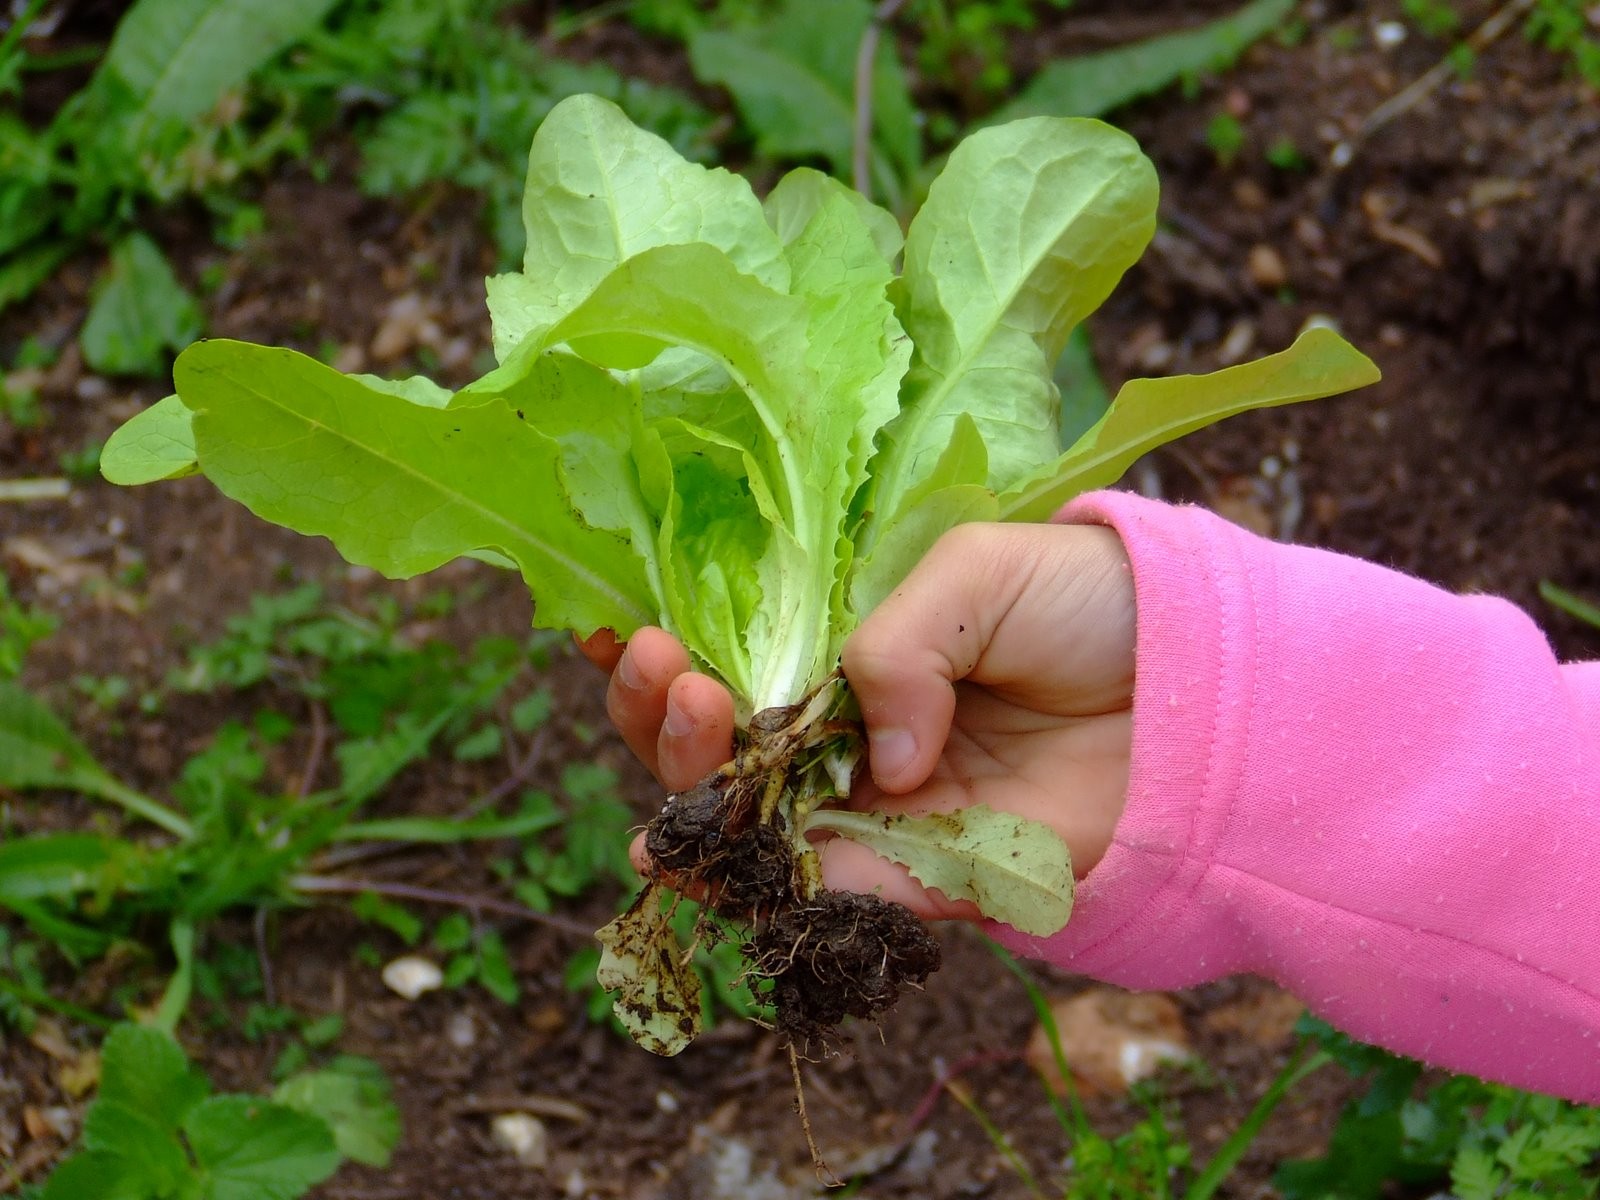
pixel 1460 245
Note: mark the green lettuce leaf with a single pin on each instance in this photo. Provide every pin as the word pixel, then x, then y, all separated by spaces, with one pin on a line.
pixel 1014 870
pixel 156 444
pixel 1023 235
pixel 658 999
pixel 1151 412
pixel 600 190
pixel 401 487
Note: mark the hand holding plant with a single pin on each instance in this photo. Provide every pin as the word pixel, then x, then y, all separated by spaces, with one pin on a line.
pixel 1000 673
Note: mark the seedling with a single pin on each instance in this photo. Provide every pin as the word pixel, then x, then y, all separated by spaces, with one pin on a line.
pixel 155 1131
pixel 737 420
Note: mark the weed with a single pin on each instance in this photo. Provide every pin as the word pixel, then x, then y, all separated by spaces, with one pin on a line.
pixel 966 45
pixel 458 96
pixel 1285 155
pixel 1435 18
pixel 83 464
pixel 1485 1140
pixel 1565 27
pixel 20 627
pixel 1150 1159
pixel 22 981
pixel 155 1130
pixel 1226 137
pixel 1567 602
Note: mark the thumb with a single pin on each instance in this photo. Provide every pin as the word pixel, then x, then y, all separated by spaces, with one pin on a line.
pixel 905 658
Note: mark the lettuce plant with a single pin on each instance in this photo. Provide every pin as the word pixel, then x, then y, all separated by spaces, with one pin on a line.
pixel 739 420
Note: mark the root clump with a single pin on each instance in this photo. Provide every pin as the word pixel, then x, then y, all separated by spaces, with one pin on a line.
pixel 817 955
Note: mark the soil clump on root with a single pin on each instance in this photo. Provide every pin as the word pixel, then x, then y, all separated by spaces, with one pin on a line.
pixel 825 955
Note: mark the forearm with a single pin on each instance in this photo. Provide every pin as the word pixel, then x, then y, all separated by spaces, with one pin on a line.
pixel 1382 796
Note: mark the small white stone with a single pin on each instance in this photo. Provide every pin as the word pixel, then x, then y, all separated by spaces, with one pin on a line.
pixel 525 1136
pixel 461 1031
pixel 411 976
pixel 666 1101
pixel 1388 34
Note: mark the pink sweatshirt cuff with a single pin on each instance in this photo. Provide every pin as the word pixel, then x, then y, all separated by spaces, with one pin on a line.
pixel 1380 795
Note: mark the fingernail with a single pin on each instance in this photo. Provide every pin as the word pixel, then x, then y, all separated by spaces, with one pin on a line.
pixel 628 674
pixel 890 751
pixel 677 722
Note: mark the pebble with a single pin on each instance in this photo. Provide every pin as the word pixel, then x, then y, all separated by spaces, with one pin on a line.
pixel 1265 267
pixel 525 1136
pixel 1386 35
pixel 461 1031
pixel 1237 345
pixel 411 976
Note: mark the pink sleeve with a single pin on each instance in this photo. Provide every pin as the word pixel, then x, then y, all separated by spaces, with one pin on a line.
pixel 1380 795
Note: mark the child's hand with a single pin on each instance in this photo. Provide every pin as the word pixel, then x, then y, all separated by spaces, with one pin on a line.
pixel 999 673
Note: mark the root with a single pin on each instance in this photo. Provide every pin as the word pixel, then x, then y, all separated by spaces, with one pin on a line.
pixel 818 955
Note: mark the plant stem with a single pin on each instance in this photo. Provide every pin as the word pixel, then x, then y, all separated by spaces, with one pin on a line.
pixel 140 805
pixel 997 1138
pixel 19 28
pixel 866 58
pixel 179 988
pixel 35 489
pixel 1232 1150
pixel 319 885
pixel 38 999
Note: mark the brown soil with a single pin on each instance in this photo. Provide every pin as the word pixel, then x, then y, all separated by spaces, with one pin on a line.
pixel 840 955
pixel 1460 246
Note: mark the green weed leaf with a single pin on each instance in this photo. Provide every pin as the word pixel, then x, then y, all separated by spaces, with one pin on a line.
pixel 1093 85
pixel 352 1097
pixel 248 1148
pixel 793 80
pixel 1014 870
pixel 140 312
pixel 157 444
pixel 178 57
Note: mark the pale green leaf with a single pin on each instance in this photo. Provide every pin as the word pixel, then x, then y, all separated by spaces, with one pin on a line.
pixel 417 389
pixel 799 194
pixel 1092 85
pixel 1084 397
pixel 140 312
pixel 911 535
pixel 1016 871
pixel 692 297
pixel 601 190
pixel 1151 412
pixel 352 1097
pixel 658 990
pixel 401 487
pixel 178 57
pixel 156 444
pixel 1024 234
pixel 248 1148
pixel 793 80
